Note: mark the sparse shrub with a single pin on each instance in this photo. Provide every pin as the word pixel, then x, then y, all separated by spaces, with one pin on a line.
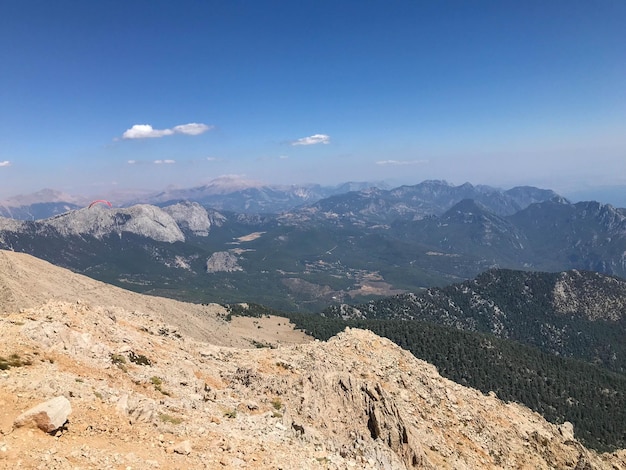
pixel 244 376
pixel 139 359
pixel 277 404
pixel 158 385
pixel 169 419
pixel 167 332
pixel 119 361
pixel 14 360
pixel 230 414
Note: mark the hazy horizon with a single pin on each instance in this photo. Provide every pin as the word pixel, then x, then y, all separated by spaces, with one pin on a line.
pixel 98 97
pixel 614 195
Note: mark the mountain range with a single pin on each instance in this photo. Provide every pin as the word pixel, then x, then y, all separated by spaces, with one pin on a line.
pixel 233 194
pixel 463 256
pixel 346 248
pixel 225 194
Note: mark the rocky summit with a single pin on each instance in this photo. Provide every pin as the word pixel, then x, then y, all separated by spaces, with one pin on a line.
pixel 95 377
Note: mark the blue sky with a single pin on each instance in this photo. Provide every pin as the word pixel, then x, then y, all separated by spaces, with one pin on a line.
pixel 102 96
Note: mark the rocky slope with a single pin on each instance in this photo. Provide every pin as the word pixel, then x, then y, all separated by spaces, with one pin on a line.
pixel 155 383
pixel 194 218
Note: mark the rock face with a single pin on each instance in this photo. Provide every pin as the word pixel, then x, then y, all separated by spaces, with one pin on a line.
pixel 47 416
pixel 222 261
pixel 142 219
pixel 190 216
pixel 145 394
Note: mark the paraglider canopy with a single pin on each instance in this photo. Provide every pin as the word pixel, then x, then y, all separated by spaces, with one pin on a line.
pixel 100 201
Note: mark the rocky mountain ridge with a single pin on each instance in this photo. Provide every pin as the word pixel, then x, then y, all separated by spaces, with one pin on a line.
pixel 248 197
pixel 144 394
pixel 428 198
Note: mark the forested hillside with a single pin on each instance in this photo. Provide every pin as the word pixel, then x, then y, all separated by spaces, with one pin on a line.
pixel 572 314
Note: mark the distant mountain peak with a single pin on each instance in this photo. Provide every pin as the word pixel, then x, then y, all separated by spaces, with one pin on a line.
pixel 43 196
pixel 466 206
pixel 231 183
pixel 435 182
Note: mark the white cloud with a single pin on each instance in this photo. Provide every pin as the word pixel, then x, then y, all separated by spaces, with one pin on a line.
pixel 164 162
pixel 401 162
pixel 312 140
pixel 132 162
pixel 192 128
pixel 283 157
pixel 146 131
pixel 5 163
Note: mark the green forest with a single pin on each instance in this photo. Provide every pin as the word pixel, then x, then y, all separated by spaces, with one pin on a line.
pixel 521 305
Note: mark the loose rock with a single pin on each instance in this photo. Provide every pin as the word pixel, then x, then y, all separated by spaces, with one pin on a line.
pixel 47 416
